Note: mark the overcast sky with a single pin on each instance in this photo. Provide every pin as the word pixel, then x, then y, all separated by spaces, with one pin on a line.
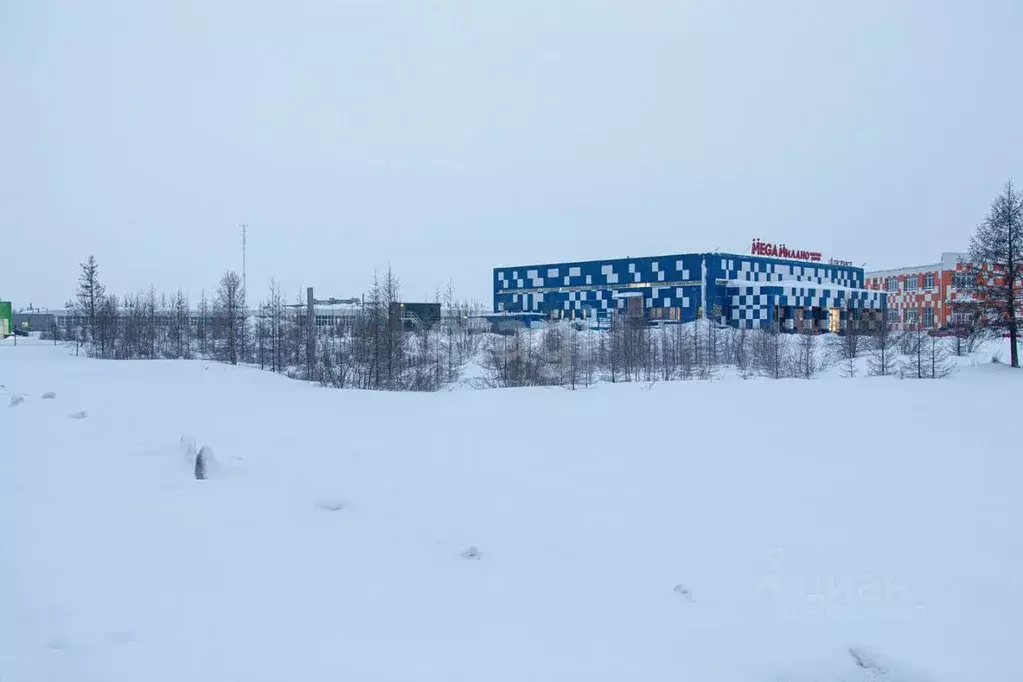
pixel 447 138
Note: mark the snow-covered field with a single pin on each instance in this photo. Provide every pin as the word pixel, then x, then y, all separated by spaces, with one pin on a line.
pixel 731 530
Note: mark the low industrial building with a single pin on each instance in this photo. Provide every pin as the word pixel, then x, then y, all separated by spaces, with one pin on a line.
pixel 35 321
pixel 789 291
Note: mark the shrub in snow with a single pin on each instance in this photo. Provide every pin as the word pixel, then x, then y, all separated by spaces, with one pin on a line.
pixel 16 400
pixel 78 415
pixel 49 395
pixel 471 552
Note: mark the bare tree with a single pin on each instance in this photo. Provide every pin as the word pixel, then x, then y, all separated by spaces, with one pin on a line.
pixel 276 326
pixel 393 346
pixel 230 315
pixel 372 333
pixel 709 351
pixel 997 248
pixel 181 328
pixel 683 350
pixel 882 348
pixel 807 359
pixel 203 323
pixel 848 368
pixel 848 343
pixel 451 319
pixel 106 325
pixel 572 359
pixel 587 349
pixel 90 296
pixel 152 330
pixel 926 356
pixel 553 356
pixel 509 361
pixel 965 339
pixel 472 330
pixel 939 363
pixel 914 352
pixel 741 351
pixel 337 358
pixel 613 350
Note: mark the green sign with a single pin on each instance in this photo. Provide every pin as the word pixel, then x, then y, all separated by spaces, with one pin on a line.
pixel 5 318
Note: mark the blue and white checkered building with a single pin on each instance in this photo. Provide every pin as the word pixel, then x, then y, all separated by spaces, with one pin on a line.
pixel 741 291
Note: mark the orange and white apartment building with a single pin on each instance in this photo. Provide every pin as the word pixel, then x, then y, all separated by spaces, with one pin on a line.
pixel 925 295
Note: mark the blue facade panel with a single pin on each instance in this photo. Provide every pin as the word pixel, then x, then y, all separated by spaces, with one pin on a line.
pixel 583 289
pixel 743 291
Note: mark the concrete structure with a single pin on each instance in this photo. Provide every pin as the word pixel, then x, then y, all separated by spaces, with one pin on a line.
pixel 926 295
pixel 795 292
pixel 415 316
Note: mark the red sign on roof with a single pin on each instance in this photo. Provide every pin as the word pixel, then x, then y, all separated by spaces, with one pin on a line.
pixel 760 248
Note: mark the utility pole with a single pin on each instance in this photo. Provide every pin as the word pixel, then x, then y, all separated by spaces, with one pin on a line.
pixel 310 323
pixel 245 229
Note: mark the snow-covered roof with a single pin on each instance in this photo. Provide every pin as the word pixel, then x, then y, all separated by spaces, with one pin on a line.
pixel 508 313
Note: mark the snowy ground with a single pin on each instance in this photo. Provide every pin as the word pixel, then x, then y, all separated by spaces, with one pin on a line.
pixel 691 531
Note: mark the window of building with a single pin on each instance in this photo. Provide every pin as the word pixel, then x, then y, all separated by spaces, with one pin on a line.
pixel 929 282
pixel 962 318
pixel 892 284
pixel 929 317
pixel 964 280
pixel 913 283
pixel 911 316
pixel 893 316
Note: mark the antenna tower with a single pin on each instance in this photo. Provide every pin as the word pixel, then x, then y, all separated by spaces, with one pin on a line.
pixel 245 229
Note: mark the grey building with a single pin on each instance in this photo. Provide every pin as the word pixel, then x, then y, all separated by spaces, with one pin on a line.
pixel 34 321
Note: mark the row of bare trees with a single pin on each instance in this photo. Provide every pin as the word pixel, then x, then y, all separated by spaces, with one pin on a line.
pixel 560 354
pixel 145 325
pixel 371 348
pixel 377 349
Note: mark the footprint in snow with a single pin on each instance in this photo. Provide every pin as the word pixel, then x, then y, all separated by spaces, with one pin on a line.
pixel 56 643
pixel 119 638
pixel 684 592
